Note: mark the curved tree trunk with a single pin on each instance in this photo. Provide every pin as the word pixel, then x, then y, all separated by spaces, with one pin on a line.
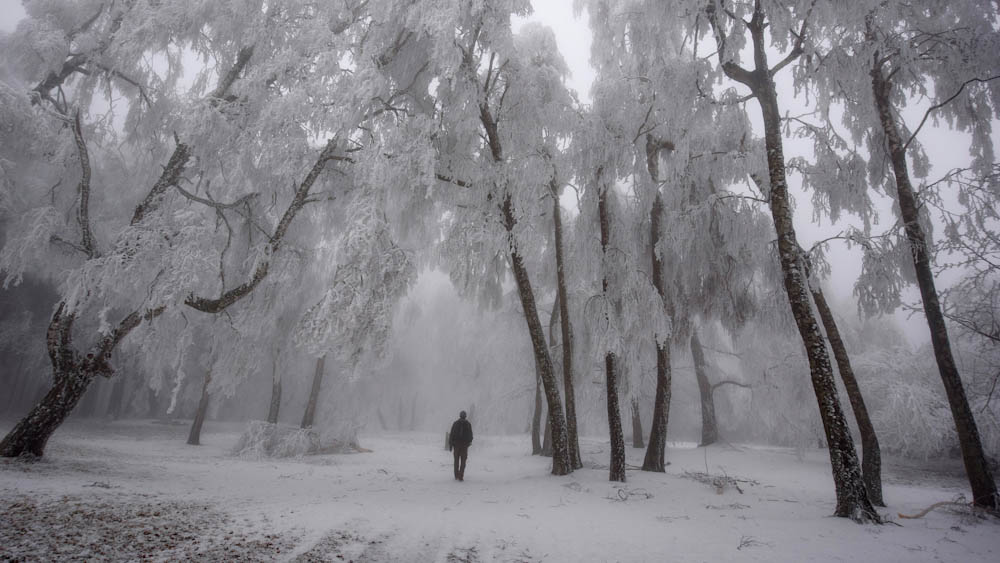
pixel 617 468
pixel 32 432
pixel 656 451
pixel 317 383
pixel 709 427
pixel 194 437
pixel 572 437
pixel 871 457
pixel 852 495
pixel 984 490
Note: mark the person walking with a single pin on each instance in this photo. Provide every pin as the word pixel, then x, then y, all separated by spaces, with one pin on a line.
pixel 458 442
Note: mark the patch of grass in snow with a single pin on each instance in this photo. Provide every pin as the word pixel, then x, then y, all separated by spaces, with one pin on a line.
pixel 134 527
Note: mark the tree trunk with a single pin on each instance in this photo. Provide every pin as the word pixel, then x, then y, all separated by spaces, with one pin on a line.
pixel 310 414
pixel 547 440
pixel 617 468
pixel 636 425
pixel 275 405
pixel 32 432
pixel 984 490
pixel 709 428
pixel 194 437
pixel 656 451
pixel 560 458
pixel 852 495
pixel 536 419
pixel 871 457
pixel 572 437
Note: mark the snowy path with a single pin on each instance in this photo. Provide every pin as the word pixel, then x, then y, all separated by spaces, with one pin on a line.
pixel 121 490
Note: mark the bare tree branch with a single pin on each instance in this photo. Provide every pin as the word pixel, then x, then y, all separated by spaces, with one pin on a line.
pixel 940 105
pixel 227 298
pixel 83 211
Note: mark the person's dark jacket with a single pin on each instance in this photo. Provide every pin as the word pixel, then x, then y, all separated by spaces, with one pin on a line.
pixel 461 434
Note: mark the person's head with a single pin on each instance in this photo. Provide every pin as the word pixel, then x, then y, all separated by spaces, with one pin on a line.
pixel 461 415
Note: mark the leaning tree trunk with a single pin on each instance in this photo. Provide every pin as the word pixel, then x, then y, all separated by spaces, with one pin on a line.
pixel 194 437
pixel 852 495
pixel 636 425
pixel 32 432
pixel 536 419
pixel 656 451
pixel 566 330
pixel 560 456
pixel 709 427
pixel 617 470
pixel 72 373
pixel 310 414
pixel 871 457
pixel 984 490
pixel 547 440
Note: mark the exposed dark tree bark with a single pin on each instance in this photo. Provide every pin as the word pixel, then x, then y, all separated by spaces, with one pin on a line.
pixel 617 469
pixel 852 495
pixel 656 450
pixel 317 384
pixel 547 440
pixel 72 374
pixel 566 333
pixel 709 427
pixel 194 436
pixel 275 405
pixel 536 419
pixel 637 441
pixel 871 457
pixel 984 490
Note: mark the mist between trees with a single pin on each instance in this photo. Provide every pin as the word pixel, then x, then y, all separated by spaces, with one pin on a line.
pixel 365 216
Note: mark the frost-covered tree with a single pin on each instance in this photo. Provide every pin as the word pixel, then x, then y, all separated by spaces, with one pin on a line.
pixel 156 145
pixel 682 148
pixel 886 56
pixel 503 111
pixel 787 27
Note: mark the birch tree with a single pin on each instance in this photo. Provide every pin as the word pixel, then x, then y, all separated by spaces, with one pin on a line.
pixel 508 93
pixel 148 232
pixel 730 24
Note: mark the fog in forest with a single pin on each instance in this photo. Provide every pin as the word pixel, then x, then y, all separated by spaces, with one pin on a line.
pixel 643 249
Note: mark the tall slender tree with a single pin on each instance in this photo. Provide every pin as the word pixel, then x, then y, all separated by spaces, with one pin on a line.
pixel 729 27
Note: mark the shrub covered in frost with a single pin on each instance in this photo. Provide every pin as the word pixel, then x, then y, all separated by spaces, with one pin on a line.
pixel 263 439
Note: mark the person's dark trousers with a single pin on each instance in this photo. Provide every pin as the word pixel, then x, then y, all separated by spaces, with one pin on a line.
pixel 461 454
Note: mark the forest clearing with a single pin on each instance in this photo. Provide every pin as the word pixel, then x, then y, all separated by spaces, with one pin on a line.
pixel 134 490
pixel 701 280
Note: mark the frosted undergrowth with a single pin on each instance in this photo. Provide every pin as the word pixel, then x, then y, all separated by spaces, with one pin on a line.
pixel 266 440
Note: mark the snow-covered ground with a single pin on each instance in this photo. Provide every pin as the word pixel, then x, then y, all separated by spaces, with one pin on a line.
pixel 134 490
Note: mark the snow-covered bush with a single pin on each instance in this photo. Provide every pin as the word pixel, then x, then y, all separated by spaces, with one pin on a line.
pixel 263 440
